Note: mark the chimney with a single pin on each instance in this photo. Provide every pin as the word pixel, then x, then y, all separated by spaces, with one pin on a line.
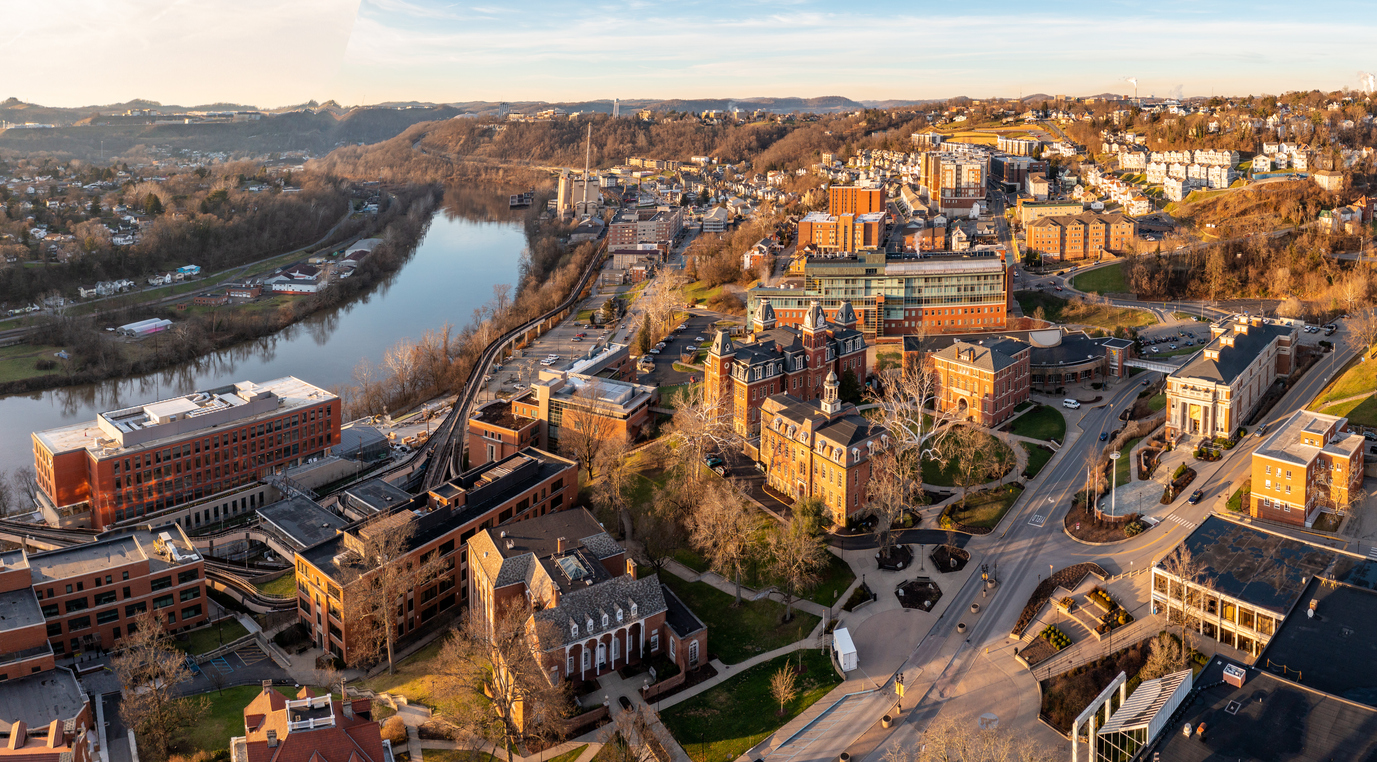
pixel 272 739
pixel 267 685
pixel 345 701
pixel 18 736
pixel 57 737
pixel 631 568
pixel 559 545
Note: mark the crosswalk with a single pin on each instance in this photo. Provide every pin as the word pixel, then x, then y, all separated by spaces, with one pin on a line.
pixel 251 655
pixel 1372 552
pixel 1183 522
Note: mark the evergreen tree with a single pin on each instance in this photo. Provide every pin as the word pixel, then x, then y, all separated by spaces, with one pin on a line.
pixel 849 389
pixel 152 204
pixel 643 336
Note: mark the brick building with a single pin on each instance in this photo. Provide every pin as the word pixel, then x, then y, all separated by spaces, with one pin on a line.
pixel 1311 464
pixel 632 226
pixel 841 233
pixel 983 381
pixel 497 432
pixel 855 200
pixel 1215 393
pixel 89 594
pixel 624 405
pixel 528 484
pixel 140 460
pixel 309 728
pixel 780 360
pixel 46 717
pixel 819 448
pixel 1087 235
pixel 595 612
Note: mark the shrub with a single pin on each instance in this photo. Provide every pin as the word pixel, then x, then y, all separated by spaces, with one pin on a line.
pixel 1179 472
pixel 44 365
pixel 394 730
pixel 1134 528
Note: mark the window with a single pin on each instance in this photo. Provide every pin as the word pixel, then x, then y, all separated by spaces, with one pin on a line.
pixel 187 576
pixel 693 652
pixel 50 610
pixel 162 602
pixel 161 583
pixel 191 612
pixel 76 604
pixel 191 594
pixel 106 617
pixel 54 629
pixel 127 595
pixel 134 609
pixel 104 598
pixel 655 641
pixel 80 623
pixel 569 665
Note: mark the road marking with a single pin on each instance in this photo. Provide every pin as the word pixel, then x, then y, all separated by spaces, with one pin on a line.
pixel 1183 522
pixel 1037 520
pixel 1372 552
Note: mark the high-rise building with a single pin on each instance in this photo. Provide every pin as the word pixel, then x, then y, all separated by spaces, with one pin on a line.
pixel 855 199
pixel 137 461
pixel 845 233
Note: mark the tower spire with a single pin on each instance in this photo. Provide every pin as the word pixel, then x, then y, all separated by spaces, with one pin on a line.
pixel 587 159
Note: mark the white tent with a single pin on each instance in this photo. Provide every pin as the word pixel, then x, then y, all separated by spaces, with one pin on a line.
pixel 846 650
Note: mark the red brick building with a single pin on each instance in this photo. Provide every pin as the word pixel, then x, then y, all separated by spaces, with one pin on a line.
pixel 855 199
pixel 46 717
pixel 1077 237
pixel 985 381
pixel 597 612
pixel 841 233
pixel 777 360
pixel 309 728
pixel 140 460
pixel 496 432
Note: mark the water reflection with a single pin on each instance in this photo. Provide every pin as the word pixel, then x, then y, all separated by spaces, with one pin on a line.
pixel 470 245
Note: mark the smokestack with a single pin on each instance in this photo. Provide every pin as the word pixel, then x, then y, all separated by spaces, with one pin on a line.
pixel 347 705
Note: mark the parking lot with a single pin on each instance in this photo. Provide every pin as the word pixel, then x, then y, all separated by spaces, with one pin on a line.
pixel 698 329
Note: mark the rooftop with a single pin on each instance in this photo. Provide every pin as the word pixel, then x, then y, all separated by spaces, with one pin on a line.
pixel 1334 651
pixel 1235 359
pixel 112 549
pixel 19 609
pixel 1268 718
pixel 40 698
pixel 302 520
pixel 1256 567
pixel 376 495
pixel 115 433
pixel 994 354
pixel 1303 436
pixel 1151 697
pixel 499 413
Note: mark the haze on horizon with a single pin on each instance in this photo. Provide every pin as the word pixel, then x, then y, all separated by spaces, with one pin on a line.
pixel 270 53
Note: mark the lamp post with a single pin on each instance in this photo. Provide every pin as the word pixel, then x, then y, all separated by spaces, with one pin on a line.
pixel 1114 482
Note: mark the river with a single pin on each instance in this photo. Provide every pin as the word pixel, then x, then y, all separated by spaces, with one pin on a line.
pixel 456 264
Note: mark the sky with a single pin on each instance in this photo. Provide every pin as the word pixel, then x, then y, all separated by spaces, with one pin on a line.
pixel 270 53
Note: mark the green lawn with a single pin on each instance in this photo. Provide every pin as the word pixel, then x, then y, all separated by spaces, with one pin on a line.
pixel 412 677
pixel 1037 458
pixel 568 756
pixel 739 633
pixel 1060 310
pixel 886 360
pixel 1122 467
pixel 1158 402
pixel 832 581
pixel 473 755
pixel 17 362
pixel 692 560
pixel 722 723
pixel 669 393
pixel 208 639
pixel 1361 378
pixel 1046 422
pixel 1360 411
pixel 225 719
pixel 1103 280
pixel 284 586
pixel 698 290
pixel 985 509
pixel 945 473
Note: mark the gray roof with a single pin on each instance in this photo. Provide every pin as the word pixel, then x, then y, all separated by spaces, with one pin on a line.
pixel 537 540
pixel 580 605
pixel 1232 360
pixel 1333 650
pixel 679 617
pixel 1286 444
pixel 40 698
pixel 18 609
pixel 111 548
pixel 302 520
pixel 994 356
pixel 1256 567
pixel 376 495
pixel 1075 348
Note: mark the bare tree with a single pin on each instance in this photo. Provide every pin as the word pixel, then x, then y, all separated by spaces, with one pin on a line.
pixel 887 494
pixel 724 530
pixel 796 555
pixel 1363 325
pixel 585 429
pixel 629 736
pixel 498 659
pixel 384 570
pixel 702 425
pixel 25 483
pixel 784 686
pixel 152 672
pixel 610 493
pixel 949 739
pixel 658 536
pixel 1165 657
pixel 1189 593
pixel 977 455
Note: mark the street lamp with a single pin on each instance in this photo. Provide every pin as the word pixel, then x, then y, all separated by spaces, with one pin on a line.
pixel 1114 482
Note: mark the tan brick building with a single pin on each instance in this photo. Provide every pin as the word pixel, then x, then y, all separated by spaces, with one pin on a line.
pixel 1311 464
pixel 1083 236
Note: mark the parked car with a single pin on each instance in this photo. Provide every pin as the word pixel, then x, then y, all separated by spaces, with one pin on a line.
pixel 1196 497
pixel 1104 436
pixel 713 460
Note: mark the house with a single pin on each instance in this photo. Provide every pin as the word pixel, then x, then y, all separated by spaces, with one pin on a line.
pixel 309 728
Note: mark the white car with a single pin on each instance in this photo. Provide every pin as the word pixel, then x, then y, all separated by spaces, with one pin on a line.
pixel 655 350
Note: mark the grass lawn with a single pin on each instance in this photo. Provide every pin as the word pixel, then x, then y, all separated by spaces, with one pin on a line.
pixel 571 755
pixel 1103 280
pixel 698 290
pixel 1158 401
pixel 692 560
pixel 1060 310
pixel 885 360
pixel 208 639
pixel 1037 458
pixel 413 675
pixel 739 633
pixel 225 719
pixel 1121 468
pixel 284 586
pixel 832 581
pixel 669 393
pixel 1360 411
pixel 1046 422
pixel 17 362
pixel 1360 378
pixel 945 474
pixel 470 755
pixel 985 509
pixel 738 713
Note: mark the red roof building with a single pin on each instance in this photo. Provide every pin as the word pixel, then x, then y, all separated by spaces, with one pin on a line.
pixel 308 728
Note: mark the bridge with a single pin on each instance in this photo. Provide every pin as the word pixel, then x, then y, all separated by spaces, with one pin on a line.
pixel 1160 367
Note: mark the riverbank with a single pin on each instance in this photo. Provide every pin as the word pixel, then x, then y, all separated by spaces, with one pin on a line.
pixel 95 355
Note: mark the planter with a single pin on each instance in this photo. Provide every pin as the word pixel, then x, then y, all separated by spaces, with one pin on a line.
pixel 886 721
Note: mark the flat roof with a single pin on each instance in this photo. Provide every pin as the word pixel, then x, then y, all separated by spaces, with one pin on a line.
pixel 303 520
pixel 1256 567
pixel 1336 650
pixel 1267 719
pixel 19 609
pixel 40 698
pixel 377 494
pixel 1287 444
pixel 113 548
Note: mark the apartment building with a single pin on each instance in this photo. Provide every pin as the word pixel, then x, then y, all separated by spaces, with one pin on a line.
pixel 893 296
pixel 1030 211
pixel 841 233
pixel 496 432
pixel 90 594
pixel 855 200
pixel 779 359
pixel 956 180
pixel 594 611
pixel 1088 235
pixel 559 399
pixel 309 728
pixel 983 381
pixel 1214 393
pixel 528 484
pixel 1017 146
pixel 632 226
pixel 45 716
pixel 1311 464
pixel 138 461
pixel 819 448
